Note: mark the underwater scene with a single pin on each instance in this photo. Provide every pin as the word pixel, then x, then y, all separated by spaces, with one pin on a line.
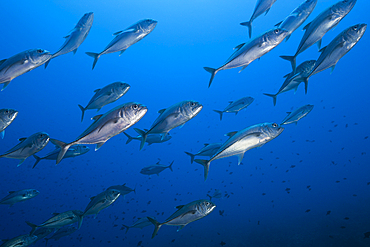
pixel 184 123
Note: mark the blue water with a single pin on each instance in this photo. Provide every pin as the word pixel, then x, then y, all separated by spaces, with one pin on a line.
pixel 329 148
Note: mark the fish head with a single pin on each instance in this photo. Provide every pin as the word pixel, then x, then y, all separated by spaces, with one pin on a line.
pixel 112 194
pixel 276 36
pixel 306 109
pixel 147 25
pixel 8 115
pixel 82 149
pixel 38 56
pixel 167 137
pixel 32 193
pixel 356 32
pixel 30 239
pixel 132 111
pixel 121 88
pixel 343 7
pixel 86 20
pixel 271 130
pixel 40 139
pixel 191 108
pixel 205 207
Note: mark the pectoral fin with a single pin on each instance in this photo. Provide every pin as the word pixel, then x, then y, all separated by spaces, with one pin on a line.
pixel 180 227
pixel 98 145
pixel 231 134
pixel 240 158
pixel 5 84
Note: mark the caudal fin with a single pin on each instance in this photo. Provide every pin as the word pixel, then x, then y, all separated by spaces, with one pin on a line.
pixel 83 112
pixel 34 227
pixel 143 135
pixel 192 156
pixel 305 80
pixel 273 96
pixel 127 227
pixel 170 166
pixel 213 72
pixel 129 138
pixel 219 112
pixel 205 164
pixel 292 60
pixel 37 160
pixel 95 56
pixel 156 224
pixel 248 24
pixel 63 148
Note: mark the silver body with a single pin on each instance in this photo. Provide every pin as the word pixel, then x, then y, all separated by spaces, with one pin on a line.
pixel 297 114
pixel 155 169
pixel 101 201
pixel 150 139
pixel 19 196
pixel 123 189
pixel 238 105
pixel 62 219
pixel 62 232
pixel 262 6
pixel 209 149
pixel 20 241
pixel 7 116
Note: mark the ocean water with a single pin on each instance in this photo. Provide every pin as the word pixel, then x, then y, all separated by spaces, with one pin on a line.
pixel 278 196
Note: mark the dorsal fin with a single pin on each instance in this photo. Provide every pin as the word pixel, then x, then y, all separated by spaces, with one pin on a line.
pixel 180 206
pixel 305 27
pixel 22 139
pixel 231 134
pixel 288 112
pixel 2 61
pixel 161 111
pixel 97 117
pixel 124 184
pixel 92 198
pixel 97 90
pixel 206 144
pixel 11 191
pixel 238 46
pixel 278 24
pixel 230 102
pixel 55 214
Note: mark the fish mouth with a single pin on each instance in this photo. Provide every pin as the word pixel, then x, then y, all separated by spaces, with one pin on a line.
pixel 13 115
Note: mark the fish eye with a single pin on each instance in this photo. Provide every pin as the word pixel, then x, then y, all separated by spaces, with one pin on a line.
pixel 192 104
pixel 6 111
pixel 355 28
pixel 135 106
pixel 274 125
pixel 39 51
pixel 276 31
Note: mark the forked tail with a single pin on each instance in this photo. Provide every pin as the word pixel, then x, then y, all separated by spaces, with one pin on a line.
pixel 95 56
pixel 248 24
pixel 192 156
pixel 219 112
pixel 63 148
pixel 143 135
pixel 273 96
pixel 213 72
pixel 205 164
pixel 156 224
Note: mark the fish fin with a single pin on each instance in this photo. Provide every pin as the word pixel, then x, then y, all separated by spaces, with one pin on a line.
pixel 22 139
pixel 47 63
pixel 319 44
pixel 161 111
pixel 97 117
pixel 129 138
pixel 179 206
pixel 20 162
pixel 83 112
pixel 5 84
pixel 170 166
pixel 292 60
pixel 307 25
pixel 80 221
pixel 273 96
pixel 55 214
pixel 74 51
pixel 63 148
pixel 143 136
pixel 117 33
pixel 37 160
pixel 288 112
pixel 95 56
pixel 163 135
pixel 332 68
pixel 240 158
pixel 205 164
pixel 231 134
pixel 206 144
pixel 189 212
pixel 180 227
pixel 295 89
pixel 156 224
pixel 92 198
pixel 230 102
pixel 98 145
pixel 285 76
pixel 236 113
pixel 97 90
pixel 122 52
pixel 245 66
pixel 219 112
pixel 287 37
pixel 182 125
pixel 239 46
pixel 34 227
pixel 2 61
pixel 127 227
pixel 132 30
pixel 278 24
pixel 70 32
pixel 192 156
pixel 249 25
pixel 213 72
pixel 2 134
pixel 267 11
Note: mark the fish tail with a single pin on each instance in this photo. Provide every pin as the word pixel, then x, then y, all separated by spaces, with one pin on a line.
pixel 305 80
pixel 46 241
pixel 273 96
pixel 83 112
pixel 143 136
pixel 37 160
pixel 156 224
pixel 63 148
pixel 248 24
pixel 170 166
pixel 34 227
pixel 134 190
pixel 210 197
pixel 192 156
pixel 292 60
pixel 127 227
pixel 205 164
pixel 213 72
pixel 219 112
pixel 129 138
pixel 95 56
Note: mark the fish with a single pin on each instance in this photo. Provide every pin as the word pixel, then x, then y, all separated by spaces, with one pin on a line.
pixel 106 95
pixel 42 233
pixel 60 220
pixel 170 118
pixel 242 141
pixel 297 114
pixel 123 189
pixel 27 147
pixel 75 37
pixel 140 223
pixel 207 150
pixel 236 106
pixel 185 214
pixel 150 139
pixel 367 235
pixel 126 38
pixel 216 194
pixel 262 6
pixel 298 16
pixel 155 169
pixel 20 241
pixel 101 201
pixel 324 22
pixel 337 48
pixel 72 152
pixel 246 53
pixel 293 80
pixel 19 196
pixel 7 116
pixel 106 126
pixel 62 232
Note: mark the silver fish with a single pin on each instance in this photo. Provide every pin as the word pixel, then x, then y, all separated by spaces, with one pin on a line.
pixel 297 114
pixel 242 141
pixel 293 80
pixel 150 139
pixel 106 126
pixel 236 106
pixel 106 95
pixel 140 223
pixel 316 29
pixel 7 116
pixel 155 169
pixel 20 241
pixel 299 15
pixel 216 194
pixel 19 196
pixel 42 233
pixel 123 189
pixel 62 232
pixel 75 37
pixel 21 63
pixel 101 201
pixel 27 147
pixel 185 214
pixel 170 118
pixel 60 220
pixel 246 53
pixel 126 38
pixel 72 152
pixel 262 6
pixel 207 150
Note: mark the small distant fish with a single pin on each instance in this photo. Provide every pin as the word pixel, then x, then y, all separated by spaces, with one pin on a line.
pixel 140 223
pixel 328 213
pixel 262 6
pixel 19 196
pixel 123 189
pixel 308 210
pixel 21 63
pixel 297 114
pixel 222 243
pixel 367 235
pixel 62 232
pixel 207 150
pixel 150 139
pixel 216 194
pixel 221 212
pixel 27 147
pixel 7 116
pixel 20 241
pixel 75 37
pixel 185 214
pixel 155 169
pixel 106 95
pixel 236 106
pixel 126 38
pixel 101 201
